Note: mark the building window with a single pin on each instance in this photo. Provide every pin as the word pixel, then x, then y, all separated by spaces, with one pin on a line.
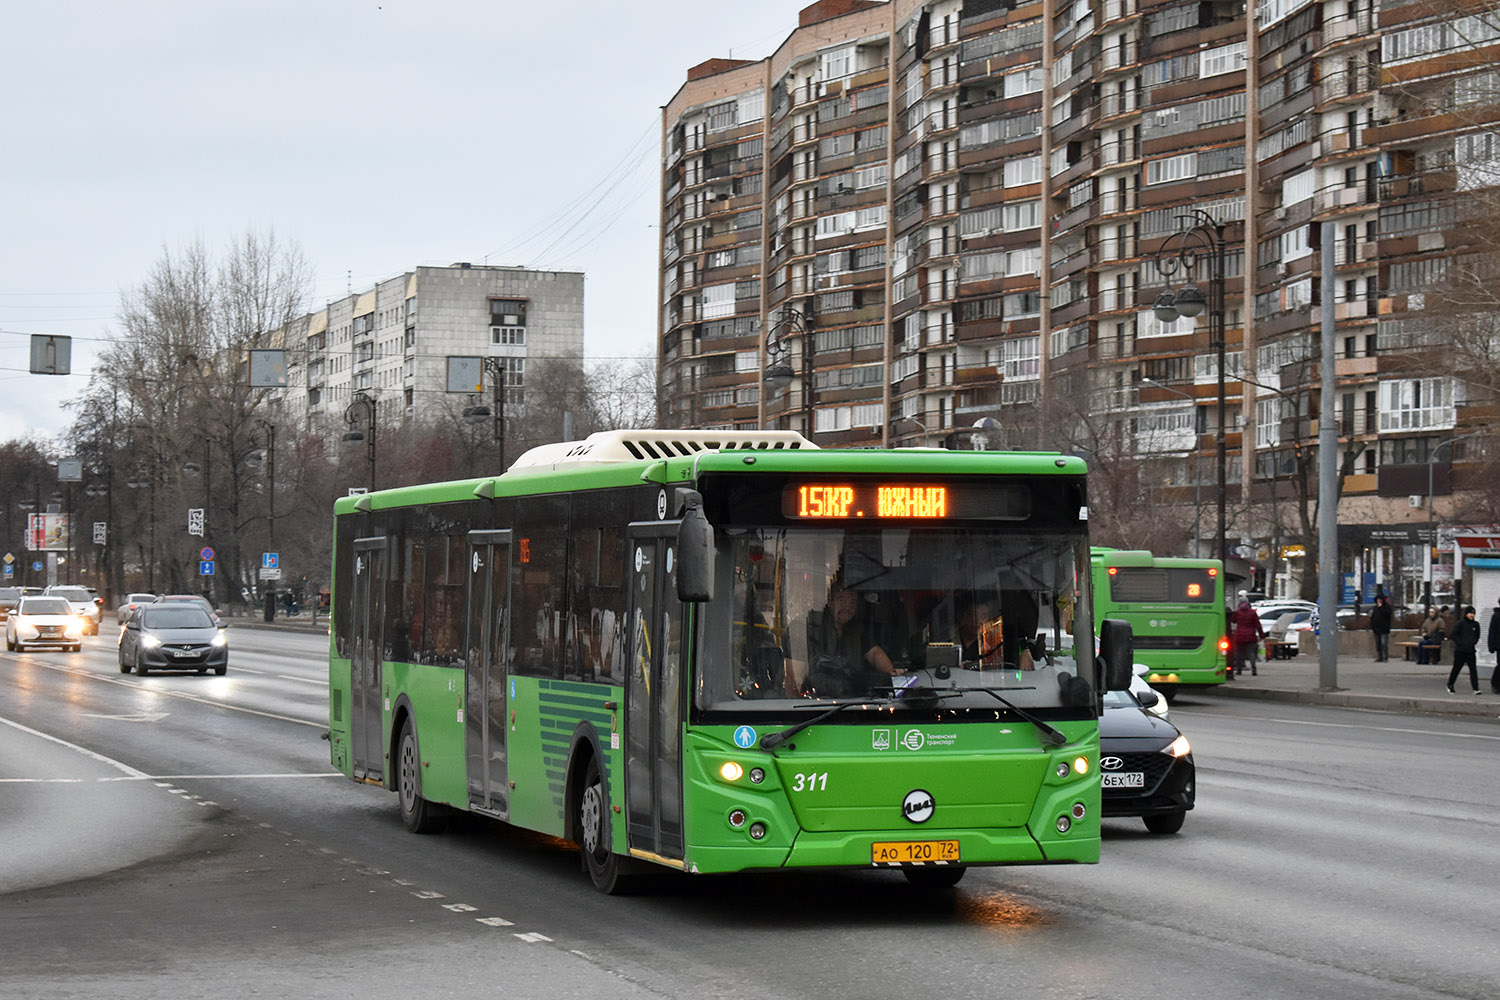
pixel 514 336
pixel 1416 404
pixel 508 312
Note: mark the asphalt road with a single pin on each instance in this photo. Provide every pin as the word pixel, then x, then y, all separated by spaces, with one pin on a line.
pixel 183 836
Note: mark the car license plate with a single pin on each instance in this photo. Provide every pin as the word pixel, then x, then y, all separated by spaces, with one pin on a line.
pixel 1130 779
pixel 910 851
pixel 183 654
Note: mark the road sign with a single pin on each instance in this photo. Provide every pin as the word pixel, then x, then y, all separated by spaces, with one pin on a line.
pixel 270 573
pixel 206 554
pixel 9 558
pixel 10 571
pixel 195 521
pixel 36 566
pixel 100 529
pixel 270 560
pixel 206 567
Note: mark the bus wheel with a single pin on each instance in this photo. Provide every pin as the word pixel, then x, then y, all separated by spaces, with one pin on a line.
pixel 419 815
pixel 934 877
pixel 1167 691
pixel 605 868
pixel 1165 822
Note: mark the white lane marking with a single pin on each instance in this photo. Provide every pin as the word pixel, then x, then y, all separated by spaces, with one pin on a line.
pixel 495 921
pixel 163 692
pixel 153 778
pixel 1377 729
pixel 138 717
pixel 323 682
pixel 460 907
pixel 117 765
pixel 428 894
pixel 533 937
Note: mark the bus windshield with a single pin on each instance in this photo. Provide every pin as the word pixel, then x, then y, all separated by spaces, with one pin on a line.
pixel 949 618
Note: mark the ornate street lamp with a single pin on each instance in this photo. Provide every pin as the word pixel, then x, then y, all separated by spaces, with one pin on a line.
pixel 365 403
pixel 779 372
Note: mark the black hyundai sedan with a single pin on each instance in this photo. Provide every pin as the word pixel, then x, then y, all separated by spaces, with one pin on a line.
pixel 1145 764
pixel 173 637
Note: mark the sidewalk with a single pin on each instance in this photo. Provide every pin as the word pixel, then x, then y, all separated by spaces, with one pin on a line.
pixel 1394 686
pixel 297 623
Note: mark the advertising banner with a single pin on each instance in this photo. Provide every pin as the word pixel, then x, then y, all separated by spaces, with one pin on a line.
pixel 48 533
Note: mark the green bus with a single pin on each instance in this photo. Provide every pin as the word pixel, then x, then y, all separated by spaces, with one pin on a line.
pixel 728 652
pixel 1175 608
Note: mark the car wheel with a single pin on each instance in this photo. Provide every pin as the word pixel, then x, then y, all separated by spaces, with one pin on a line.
pixel 124 668
pixel 19 647
pixel 141 669
pixel 10 643
pixel 419 815
pixel 934 877
pixel 1166 822
pixel 221 671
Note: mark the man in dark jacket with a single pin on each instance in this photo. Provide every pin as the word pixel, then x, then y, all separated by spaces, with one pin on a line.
pixel 1380 627
pixel 1465 641
pixel 1494 645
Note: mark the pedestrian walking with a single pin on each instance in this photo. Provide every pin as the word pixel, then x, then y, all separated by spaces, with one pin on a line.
pixel 1494 645
pixel 1246 635
pixel 1465 641
pixel 1431 636
pixel 1380 627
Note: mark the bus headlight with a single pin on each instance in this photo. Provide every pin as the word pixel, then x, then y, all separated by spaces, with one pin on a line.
pixel 1081 765
pixel 731 771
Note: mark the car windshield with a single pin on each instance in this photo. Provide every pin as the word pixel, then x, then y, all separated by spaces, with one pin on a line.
pixel 76 594
pixel 45 606
pixel 179 617
pixel 805 617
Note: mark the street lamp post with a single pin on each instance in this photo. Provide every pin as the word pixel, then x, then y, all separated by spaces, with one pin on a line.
pixel 1204 238
pixel 779 372
pixel 254 460
pixel 1197 487
pixel 362 401
pixel 1431 536
pixel 498 369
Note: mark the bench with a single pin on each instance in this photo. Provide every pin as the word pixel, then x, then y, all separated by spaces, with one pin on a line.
pixel 1409 650
pixel 1281 649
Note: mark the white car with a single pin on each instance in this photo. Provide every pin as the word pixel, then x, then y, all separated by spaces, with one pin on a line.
pixel 44 622
pixel 84 604
pixel 1149 698
pixel 131 603
pixel 1269 612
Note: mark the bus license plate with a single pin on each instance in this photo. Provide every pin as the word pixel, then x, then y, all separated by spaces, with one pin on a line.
pixel 910 851
pixel 1130 779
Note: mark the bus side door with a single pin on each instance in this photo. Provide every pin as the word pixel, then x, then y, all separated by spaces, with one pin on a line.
pixel 487 669
pixel 367 720
pixel 653 694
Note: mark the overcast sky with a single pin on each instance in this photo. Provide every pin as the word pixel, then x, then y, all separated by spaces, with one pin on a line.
pixel 377 136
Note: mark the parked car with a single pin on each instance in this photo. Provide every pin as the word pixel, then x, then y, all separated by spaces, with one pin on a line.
pixel 173 635
pixel 46 622
pixel 85 605
pixel 197 599
pixel 9 598
pixel 1269 611
pixel 1145 764
pixel 130 604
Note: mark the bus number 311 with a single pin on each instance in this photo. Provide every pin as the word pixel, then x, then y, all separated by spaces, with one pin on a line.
pixel 813 782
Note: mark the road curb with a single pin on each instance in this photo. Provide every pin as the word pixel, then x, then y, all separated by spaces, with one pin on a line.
pixel 1486 705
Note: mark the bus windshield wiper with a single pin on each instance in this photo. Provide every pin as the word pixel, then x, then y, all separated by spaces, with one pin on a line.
pixel 1052 736
pixel 918 698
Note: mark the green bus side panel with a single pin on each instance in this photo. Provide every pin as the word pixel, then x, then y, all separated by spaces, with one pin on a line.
pixel 339 707
pixel 995 789
pixel 436 695
pixel 547 713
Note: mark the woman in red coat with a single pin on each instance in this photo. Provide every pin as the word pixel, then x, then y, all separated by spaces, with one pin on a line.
pixel 1246 635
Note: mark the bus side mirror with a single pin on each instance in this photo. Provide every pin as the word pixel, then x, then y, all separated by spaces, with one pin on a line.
pixel 1117 651
pixel 695 551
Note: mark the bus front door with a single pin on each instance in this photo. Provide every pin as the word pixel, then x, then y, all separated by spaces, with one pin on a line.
pixel 366 634
pixel 653 694
pixel 486 669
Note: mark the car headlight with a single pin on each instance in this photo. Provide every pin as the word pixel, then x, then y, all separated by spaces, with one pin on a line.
pixel 149 641
pixel 25 629
pixel 73 630
pixel 1178 747
pixel 220 639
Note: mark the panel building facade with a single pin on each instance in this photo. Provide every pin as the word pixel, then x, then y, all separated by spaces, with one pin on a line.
pixel 915 217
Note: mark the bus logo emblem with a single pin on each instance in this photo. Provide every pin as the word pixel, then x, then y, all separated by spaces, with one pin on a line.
pixel 913 739
pixel 918 805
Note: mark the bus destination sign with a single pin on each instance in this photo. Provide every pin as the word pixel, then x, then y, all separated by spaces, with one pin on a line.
pixel 877 500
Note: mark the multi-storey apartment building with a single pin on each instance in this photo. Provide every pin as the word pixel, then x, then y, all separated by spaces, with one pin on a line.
pixel 394 341
pixel 917 216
